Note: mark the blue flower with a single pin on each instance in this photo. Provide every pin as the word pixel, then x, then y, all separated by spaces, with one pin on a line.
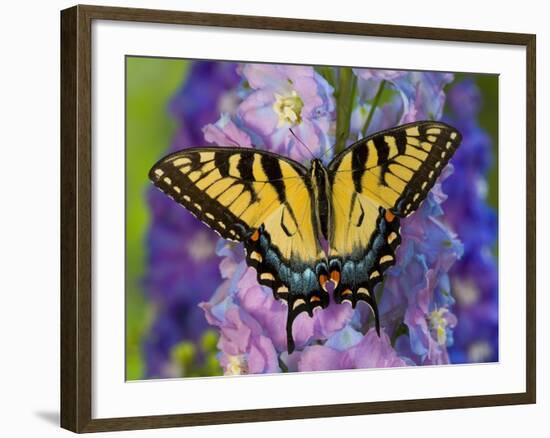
pixel 182 268
pixel 474 278
pixel 417 287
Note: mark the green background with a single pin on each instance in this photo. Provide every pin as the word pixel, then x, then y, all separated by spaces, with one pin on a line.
pixel 150 83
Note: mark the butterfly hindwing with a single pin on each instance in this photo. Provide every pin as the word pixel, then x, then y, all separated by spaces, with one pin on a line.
pixel 375 182
pixel 263 200
pixel 292 280
pixel 356 274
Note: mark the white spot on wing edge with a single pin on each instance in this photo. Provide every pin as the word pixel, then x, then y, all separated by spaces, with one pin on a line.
pixel 386 258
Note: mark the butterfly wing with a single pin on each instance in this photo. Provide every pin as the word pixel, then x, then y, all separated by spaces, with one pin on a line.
pixel 261 199
pixel 375 182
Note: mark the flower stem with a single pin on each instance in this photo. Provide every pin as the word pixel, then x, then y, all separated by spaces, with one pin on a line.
pixel 375 103
pixel 345 95
pixel 327 73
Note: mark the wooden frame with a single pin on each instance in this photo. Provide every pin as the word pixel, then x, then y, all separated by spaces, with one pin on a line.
pixel 76 174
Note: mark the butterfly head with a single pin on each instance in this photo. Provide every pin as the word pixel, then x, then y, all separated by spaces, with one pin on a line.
pixel 319 175
pixel 317 167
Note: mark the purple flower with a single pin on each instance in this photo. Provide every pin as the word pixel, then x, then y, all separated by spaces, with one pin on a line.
pixel 181 267
pixel 418 285
pixel 378 74
pixel 256 314
pixel 226 133
pixel 245 347
pixel 370 351
pixel 285 97
pixel 421 97
pixel 474 278
pixel 208 90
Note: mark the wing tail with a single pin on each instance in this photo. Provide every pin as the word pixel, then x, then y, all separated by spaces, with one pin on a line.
pixel 298 284
pixel 356 275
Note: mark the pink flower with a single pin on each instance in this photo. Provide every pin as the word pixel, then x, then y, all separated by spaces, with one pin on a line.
pixel 286 97
pixel 372 351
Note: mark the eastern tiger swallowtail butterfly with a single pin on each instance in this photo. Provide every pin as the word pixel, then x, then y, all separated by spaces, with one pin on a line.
pixel 281 210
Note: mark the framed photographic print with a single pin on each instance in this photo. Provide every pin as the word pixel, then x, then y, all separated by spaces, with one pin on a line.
pixel 345 221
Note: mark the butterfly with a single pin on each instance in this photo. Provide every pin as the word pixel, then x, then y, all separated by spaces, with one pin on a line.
pixel 283 212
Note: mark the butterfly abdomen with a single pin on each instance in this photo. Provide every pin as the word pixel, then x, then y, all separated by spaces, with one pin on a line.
pixel 321 197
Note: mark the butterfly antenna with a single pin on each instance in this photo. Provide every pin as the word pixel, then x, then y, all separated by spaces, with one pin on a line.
pixel 308 149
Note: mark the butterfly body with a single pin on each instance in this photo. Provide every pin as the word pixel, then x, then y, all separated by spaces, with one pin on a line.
pixel 321 188
pixel 287 215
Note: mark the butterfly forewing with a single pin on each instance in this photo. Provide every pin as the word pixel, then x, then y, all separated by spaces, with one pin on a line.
pixel 375 182
pixel 398 167
pixel 232 190
pixel 261 199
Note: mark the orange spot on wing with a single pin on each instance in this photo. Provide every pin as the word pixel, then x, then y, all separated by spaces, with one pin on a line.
pixel 255 236
pixel 389 216
pixel 323 280
pixel 335 277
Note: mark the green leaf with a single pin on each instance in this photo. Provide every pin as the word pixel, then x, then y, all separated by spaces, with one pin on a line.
pixel 327 73
pixel 345 97
pixel 373 107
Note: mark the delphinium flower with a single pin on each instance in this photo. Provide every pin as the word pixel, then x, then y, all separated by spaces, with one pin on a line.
pixel 276 99
pixel 252 323
pixel 416 96
pixel 418 286
pixel 182 268
pixel 475 276
pixel 415 299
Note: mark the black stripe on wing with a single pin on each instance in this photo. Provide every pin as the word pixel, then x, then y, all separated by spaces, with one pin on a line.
pixel 188 178
pixel 213 214
pixel 405 161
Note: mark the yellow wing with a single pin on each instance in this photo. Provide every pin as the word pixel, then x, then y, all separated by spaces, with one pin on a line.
pixel 232 190
pixel 258 198
pixel 375 182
